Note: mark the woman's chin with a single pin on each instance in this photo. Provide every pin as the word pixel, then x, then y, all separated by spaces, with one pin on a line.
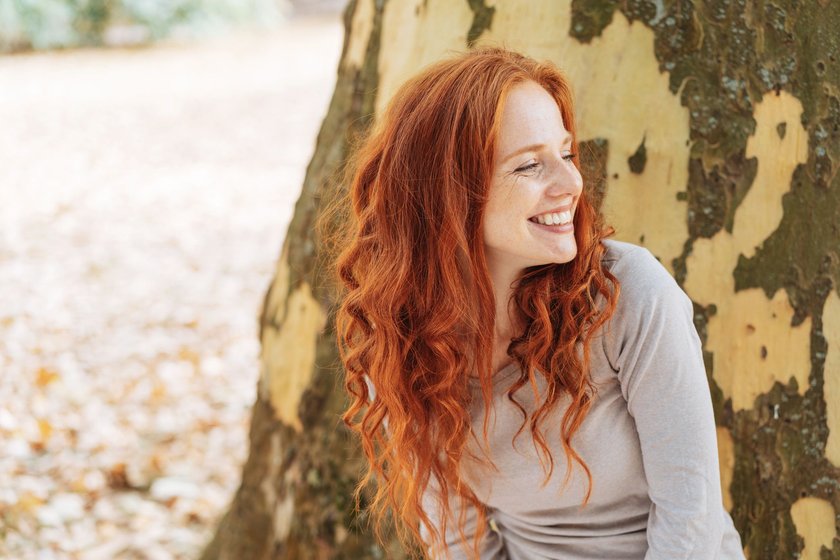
pixel 563 257
pixel 556 259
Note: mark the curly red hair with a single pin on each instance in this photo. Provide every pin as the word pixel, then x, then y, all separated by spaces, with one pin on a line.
pixel 416 310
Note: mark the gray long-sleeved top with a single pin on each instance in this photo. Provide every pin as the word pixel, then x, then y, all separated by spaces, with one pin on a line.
pixel 649 440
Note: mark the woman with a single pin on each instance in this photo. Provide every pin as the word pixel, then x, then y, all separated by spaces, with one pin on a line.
pixel 480 296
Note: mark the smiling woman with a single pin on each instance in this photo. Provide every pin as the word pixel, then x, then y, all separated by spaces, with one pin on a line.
pixel 478 283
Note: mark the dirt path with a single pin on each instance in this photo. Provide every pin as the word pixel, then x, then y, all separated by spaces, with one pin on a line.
pixel 143 200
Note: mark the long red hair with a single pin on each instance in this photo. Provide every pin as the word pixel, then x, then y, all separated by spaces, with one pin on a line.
pixel 416 310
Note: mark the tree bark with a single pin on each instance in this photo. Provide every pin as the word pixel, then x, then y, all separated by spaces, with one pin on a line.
pixel 710 134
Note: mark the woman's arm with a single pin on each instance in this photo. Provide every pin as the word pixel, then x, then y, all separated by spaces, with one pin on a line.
pixel 657 354
pixel 491 546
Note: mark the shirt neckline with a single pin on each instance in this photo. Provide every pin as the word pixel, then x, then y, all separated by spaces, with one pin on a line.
pixel 501 375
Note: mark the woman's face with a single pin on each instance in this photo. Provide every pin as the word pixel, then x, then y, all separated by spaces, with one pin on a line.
pixel 534 180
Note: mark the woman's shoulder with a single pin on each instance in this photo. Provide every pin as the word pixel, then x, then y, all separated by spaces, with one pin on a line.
pixel 617 251
pixel 636 268
pixel 650 300
pixel 646 285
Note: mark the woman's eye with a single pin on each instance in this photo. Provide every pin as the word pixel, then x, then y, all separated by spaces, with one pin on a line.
pixel 532 166
pixel 528 167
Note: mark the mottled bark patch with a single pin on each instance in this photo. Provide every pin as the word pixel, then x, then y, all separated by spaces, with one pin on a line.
pixel 831 332
pixel 288 353
pixel 717 192
pixel 590 18
pixel 637 161
pixel 482 20
pixel 814 520
pixel 593 164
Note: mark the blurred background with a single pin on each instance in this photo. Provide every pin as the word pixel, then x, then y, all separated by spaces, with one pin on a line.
pixel 150 157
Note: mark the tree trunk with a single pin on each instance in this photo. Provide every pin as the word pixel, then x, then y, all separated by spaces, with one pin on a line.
pixel 716 128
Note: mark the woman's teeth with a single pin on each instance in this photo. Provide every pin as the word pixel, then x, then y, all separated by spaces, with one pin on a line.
pixel 553 218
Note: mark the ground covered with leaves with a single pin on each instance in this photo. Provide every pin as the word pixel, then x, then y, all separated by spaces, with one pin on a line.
pixel 144 195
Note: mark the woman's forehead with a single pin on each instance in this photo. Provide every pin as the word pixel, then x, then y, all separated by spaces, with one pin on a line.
pixel 530 116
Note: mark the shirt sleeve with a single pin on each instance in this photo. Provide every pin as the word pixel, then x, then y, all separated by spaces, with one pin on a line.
pixel 491 546
pixel 657 354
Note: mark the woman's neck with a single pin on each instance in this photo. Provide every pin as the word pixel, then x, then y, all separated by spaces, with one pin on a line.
pixel 504 279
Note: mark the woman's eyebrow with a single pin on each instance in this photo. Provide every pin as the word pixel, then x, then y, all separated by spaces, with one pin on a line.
pixel 533 148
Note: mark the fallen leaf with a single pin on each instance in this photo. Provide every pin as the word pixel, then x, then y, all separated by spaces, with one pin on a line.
pixel 45 429
pixel 118 478
pixel 45 376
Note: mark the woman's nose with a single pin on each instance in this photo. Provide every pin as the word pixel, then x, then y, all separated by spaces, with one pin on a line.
pixel 564 179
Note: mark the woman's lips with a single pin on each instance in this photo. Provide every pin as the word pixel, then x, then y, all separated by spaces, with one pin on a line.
pixel 562 228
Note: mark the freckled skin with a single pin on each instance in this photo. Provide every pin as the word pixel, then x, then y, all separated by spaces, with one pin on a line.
pixel 530 116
